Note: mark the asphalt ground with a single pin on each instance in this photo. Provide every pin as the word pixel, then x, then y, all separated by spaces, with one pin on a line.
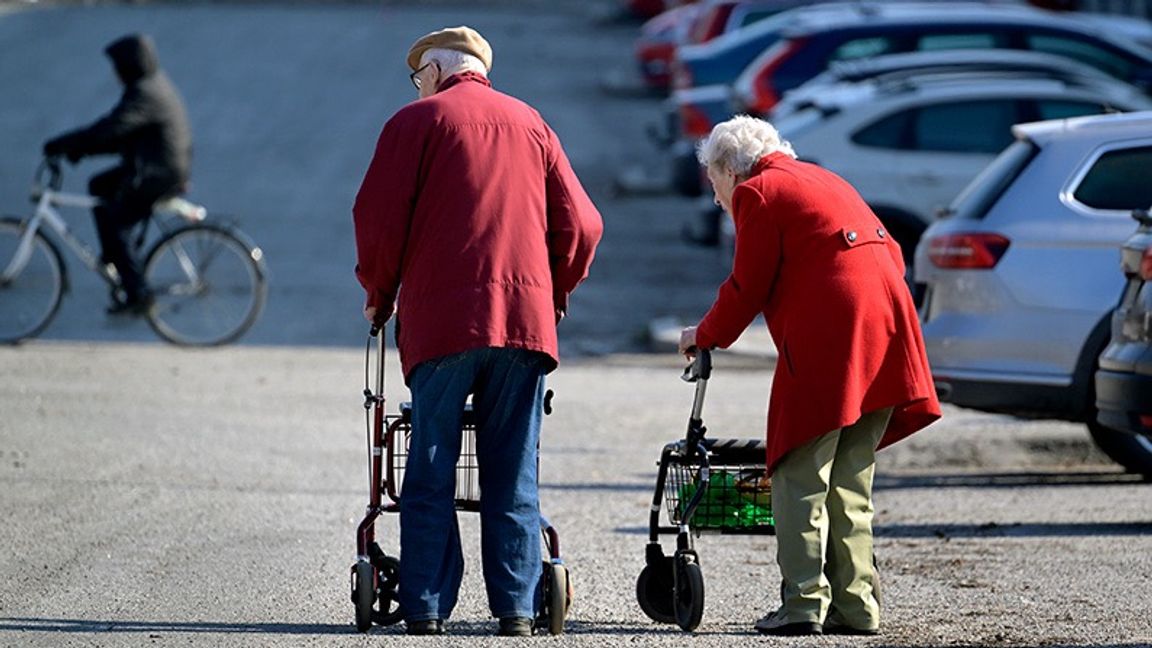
pixel 156 496
pixel 165 497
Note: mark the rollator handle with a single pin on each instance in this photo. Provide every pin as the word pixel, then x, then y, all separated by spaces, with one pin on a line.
pixel 701 367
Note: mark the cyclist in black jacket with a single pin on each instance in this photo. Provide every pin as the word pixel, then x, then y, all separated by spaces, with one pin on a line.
pixel 148 128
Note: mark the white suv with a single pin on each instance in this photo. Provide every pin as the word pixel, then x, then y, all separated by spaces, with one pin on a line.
pixel 1020 276
pixel 910 144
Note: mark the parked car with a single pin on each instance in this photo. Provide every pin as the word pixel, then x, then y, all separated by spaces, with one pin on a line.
pixel 693 24
pixel 910 144
pixel 806 46
pixel 656 45
pixel 1124 379
pixel 1020 276
pixel 783 52
pixel 893 67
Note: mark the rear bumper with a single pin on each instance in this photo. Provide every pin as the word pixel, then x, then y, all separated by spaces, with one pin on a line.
pixel 1018 399
pixel 1121 397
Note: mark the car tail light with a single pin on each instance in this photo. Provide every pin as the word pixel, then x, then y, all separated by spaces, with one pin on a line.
pixel 977 251
pixel 758 92
pixel 693 122
pixel 1146 265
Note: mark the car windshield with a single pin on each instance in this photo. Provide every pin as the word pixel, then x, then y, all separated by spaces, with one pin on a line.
pixel 986 188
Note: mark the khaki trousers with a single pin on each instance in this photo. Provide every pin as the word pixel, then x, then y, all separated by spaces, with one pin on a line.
pixel 822 501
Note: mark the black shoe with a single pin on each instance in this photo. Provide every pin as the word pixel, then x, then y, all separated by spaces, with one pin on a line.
pixel 515 627
pixel 132 307
pixel 425 627
pixel 834 628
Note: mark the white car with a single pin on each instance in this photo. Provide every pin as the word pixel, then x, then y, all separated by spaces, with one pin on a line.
pixel 1020 277
pixel 910 145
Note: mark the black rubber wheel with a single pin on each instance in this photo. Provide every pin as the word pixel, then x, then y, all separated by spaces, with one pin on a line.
pixel 689 595
pixel 363 594
pixel 654 591
pixel 387 610
pixel 1132 452
pixel 557 600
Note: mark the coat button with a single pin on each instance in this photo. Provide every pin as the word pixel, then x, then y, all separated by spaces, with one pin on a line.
pixel 851 237
pixel 880 232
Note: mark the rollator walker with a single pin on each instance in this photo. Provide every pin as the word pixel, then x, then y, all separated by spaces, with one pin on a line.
pixel 375 576
pixel 705 486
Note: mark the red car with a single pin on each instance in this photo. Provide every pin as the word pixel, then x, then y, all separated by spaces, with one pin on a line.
pixel 659 38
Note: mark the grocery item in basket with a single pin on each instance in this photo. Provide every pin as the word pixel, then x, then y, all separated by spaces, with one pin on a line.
pixel 724 505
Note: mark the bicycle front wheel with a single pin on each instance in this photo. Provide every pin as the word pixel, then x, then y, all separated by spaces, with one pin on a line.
pixel 209 285
pixel 32 282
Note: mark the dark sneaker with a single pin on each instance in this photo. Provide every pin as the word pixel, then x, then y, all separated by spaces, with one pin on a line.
pixel 834 628
pixel 425 627
pixel 134 308
pixel 515 627
pixel 777 624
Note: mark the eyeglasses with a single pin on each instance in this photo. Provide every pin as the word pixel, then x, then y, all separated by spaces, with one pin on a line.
pixel 416 79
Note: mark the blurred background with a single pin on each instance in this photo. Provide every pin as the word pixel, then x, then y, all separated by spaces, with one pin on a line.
pixel 1011 233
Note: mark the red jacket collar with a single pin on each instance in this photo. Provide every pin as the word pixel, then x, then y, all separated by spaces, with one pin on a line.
pixel 766 161
pixel 462 77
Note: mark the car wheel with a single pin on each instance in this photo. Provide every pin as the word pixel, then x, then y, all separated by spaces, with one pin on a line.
pixel 1132 451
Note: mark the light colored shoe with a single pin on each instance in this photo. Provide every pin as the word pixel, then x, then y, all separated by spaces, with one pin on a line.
pixel 777 624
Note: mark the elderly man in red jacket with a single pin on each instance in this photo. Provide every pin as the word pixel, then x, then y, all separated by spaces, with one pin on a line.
pixel 852 374
pixel 471 217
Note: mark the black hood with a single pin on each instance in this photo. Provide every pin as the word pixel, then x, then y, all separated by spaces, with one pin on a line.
pixel 134 57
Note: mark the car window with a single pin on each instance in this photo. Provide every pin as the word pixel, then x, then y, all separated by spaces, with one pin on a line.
pixel 987 187
pixel 1063 109
pixel 756 16
pixel 1118 180
pixel 956 41
pixel 1098 57
pixel 965 127
pixel 890 132
pixel 862 48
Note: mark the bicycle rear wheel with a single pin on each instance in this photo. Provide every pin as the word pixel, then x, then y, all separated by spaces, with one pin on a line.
pixel 32 282
pixel 209 285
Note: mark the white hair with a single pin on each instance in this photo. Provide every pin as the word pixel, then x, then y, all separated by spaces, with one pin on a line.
pixel 453 62
pixel 737 144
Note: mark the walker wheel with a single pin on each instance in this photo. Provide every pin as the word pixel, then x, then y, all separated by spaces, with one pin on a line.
pixel 559 597
pixel 363 594
pixel 689 595
pixel 654 590
pixel 387 610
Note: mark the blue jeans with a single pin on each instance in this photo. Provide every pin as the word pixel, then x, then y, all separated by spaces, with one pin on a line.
pixel 507 387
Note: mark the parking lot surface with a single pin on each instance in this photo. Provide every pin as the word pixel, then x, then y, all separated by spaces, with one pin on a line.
pixel 168 497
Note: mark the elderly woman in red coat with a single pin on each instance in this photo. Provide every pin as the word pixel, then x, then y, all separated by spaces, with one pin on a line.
pixel 852 375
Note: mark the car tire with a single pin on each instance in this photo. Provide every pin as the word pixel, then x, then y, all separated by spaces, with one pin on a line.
pixel 1132 451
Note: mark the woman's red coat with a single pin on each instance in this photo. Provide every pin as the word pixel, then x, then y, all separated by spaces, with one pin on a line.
pixel 829 280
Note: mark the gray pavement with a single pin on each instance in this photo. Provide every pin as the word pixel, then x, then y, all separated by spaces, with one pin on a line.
pixel 156 496
pixel 153 496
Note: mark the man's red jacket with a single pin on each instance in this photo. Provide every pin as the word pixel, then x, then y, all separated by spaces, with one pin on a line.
pixel 829 280
pixel 472 221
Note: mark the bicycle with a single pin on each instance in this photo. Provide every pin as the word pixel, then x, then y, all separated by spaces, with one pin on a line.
pixel 209 280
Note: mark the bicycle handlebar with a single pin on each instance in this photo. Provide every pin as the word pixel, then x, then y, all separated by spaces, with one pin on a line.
pixel 50 165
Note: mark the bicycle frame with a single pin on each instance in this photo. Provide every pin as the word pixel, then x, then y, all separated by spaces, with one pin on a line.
pixel 48 217
pixel 47 199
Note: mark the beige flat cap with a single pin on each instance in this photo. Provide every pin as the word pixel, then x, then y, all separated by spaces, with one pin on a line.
pixel 461 39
